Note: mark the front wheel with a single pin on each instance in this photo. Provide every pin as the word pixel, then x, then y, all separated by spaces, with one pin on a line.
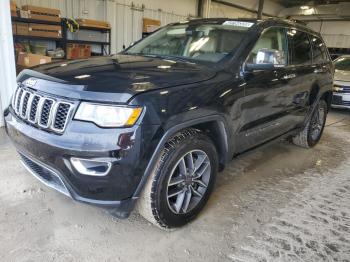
pixel 182 181
pixel 313 130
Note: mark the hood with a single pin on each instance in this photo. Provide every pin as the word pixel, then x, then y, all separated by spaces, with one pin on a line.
pixel 114 78
pixel 342 75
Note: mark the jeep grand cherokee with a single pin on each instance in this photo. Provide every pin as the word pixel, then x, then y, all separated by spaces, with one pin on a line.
pixel 155 123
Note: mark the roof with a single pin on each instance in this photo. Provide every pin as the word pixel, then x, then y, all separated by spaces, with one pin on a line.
pixel 262 22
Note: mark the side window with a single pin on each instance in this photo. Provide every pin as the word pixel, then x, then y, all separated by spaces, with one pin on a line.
pixel 300 48
pixel 319 50
pixel 271 48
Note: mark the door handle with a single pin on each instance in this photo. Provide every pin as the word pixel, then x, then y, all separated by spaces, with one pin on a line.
pixel 290 76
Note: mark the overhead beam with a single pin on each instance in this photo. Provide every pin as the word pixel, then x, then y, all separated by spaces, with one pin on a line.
pixel 241 7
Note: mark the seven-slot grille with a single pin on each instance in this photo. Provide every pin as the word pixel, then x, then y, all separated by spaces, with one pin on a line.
pixel 47 113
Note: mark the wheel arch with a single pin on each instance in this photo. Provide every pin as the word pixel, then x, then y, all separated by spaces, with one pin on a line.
pixel 314 92
pixel 214 126
pixel 317 93
pixel 327 96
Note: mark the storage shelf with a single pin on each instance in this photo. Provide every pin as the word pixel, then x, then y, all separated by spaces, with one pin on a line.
pixel 87 42
pixel 95 28
pixel 34 21
pixel 62 42
pixel 41 38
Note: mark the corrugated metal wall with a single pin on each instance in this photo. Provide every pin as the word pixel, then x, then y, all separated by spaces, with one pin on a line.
pixel 335 33
pixel 127 22
pixel 219 10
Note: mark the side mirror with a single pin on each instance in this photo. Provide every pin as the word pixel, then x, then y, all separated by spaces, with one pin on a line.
pixel 266 59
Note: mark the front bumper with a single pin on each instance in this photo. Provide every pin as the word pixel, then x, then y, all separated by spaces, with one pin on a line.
pixel 47 156
pixel 341 100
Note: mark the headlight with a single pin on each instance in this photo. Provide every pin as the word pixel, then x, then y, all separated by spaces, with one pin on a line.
pixel 108 116
pixel 337 88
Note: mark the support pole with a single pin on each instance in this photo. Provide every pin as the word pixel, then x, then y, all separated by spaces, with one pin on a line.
pixel 206 8
pixel 7 59
pixel 200 8
pixel 260 9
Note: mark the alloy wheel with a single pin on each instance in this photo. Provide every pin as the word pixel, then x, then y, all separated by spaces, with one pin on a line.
pixel 317 122
pixel 188 181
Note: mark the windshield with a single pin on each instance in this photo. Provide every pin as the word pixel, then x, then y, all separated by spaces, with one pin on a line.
pixel 342 63
pixel 205 42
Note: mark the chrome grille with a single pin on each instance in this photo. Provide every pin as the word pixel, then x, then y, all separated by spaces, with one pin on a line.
pixel 25 98
pixel 48 113
pixel 62 111
pixel 45 112
pixel 33 108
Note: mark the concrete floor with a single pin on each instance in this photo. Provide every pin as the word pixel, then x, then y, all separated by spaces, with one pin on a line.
pixel 279 203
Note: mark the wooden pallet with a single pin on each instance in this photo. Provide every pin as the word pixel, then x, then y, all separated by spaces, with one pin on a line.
pixel 42 13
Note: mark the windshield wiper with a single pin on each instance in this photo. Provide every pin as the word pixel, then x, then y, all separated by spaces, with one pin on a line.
pixel 169 57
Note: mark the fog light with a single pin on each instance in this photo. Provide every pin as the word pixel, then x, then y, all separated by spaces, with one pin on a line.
pixel 91 167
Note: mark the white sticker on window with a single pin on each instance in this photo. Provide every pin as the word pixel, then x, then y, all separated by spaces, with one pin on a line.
pixel 238 23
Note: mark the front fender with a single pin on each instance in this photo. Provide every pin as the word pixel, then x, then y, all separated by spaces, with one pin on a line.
pixel 223 127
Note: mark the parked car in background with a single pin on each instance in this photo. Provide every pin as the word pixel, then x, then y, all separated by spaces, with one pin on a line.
pixel 341 88
pixel 154 124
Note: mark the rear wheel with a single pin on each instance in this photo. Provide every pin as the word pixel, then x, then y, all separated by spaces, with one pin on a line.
pixel 313 130
pixel 182 181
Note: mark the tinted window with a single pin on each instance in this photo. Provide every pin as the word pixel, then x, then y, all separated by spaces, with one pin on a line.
pixel 319 50
pixel 300 48
pixel 203 42
pixel 273 39
pixel 342 63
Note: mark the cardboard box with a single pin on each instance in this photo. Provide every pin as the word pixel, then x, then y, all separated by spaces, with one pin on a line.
pixel 29 60
pixel 73 51
pixel 42 13
pixel 150 25
pixel 84 51
pixel 78 51
pixel 23 14
pixel 45 30
pixel 93 23
pixel 13 7
pixel 22 28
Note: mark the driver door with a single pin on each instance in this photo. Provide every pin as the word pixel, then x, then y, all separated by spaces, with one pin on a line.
pixel 264 108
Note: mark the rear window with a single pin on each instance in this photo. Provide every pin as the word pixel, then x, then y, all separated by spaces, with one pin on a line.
pixel 299 48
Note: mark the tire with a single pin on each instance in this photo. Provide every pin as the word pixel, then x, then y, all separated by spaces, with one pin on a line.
pixel 307 138
pixel 156 202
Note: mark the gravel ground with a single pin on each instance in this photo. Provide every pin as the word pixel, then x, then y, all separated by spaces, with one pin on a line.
pixel 277 203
